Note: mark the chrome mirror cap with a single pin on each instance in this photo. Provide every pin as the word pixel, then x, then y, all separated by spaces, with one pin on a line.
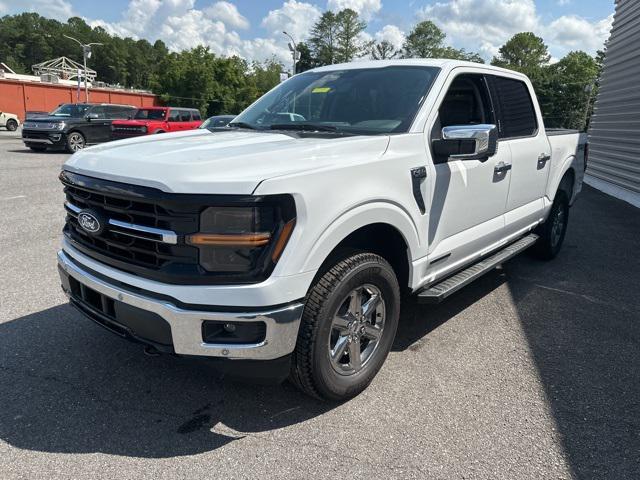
pixel 484 134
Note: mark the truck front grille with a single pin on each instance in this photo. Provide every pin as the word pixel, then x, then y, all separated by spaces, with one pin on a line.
pixel 141 234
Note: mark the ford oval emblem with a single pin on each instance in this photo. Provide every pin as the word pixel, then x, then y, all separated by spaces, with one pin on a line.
pixel 90 222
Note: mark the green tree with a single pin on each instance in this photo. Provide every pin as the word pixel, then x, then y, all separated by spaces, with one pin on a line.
pixel 524 52
pixel 569 90
pixel 426 40
pixel 384 50
pixel 349 43
pixel 306 61
pixel 323 39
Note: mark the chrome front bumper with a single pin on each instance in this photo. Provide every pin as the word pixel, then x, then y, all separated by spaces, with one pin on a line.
pixel 186 325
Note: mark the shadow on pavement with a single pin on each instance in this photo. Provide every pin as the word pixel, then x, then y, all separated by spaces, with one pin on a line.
pixel 70 387
pixel 581 316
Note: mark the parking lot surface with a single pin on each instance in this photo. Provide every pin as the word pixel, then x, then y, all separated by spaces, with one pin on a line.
pixel 531 372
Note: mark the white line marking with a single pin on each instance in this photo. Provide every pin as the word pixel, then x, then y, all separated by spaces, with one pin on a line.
pixel 14 198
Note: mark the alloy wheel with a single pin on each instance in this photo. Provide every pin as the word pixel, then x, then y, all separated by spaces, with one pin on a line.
pixel 356 329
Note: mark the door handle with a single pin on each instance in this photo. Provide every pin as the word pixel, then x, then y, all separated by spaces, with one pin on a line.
pixel 502 167
pixel 544 158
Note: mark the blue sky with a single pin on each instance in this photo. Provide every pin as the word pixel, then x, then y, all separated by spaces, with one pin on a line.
pixel 251 28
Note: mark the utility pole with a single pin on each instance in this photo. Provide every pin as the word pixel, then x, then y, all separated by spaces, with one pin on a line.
pixel 86 53
pixel 294 52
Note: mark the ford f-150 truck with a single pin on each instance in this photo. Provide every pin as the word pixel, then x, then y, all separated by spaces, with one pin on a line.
pixel 152 120
pixel 288 241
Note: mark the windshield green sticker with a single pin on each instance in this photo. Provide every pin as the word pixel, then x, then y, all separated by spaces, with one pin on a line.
pixel 321 90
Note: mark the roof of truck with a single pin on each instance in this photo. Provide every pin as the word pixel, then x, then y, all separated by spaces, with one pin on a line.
pixel 442 63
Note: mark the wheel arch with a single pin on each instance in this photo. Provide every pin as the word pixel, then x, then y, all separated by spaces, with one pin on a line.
pixel 384 229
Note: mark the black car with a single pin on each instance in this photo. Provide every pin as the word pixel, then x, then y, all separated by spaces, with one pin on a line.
pixel 72 126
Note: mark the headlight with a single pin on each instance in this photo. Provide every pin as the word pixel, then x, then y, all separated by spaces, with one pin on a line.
pixel 58 126
pixel 246 239
pixel 143 129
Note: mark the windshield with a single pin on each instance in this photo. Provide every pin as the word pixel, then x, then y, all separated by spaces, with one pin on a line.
pixel 150 114
pixel 359 101
pixel 73 110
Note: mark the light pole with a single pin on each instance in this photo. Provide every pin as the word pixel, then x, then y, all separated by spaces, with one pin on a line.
pixel 294 52
pixel 86 53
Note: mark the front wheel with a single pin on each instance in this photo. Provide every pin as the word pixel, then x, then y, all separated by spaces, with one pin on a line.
pixel 348 326
pixel 12 125
pixel 75 142
pixel 554 229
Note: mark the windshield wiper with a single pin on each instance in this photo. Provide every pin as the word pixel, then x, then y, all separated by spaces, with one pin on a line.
pixel 307 127
pixel 243 125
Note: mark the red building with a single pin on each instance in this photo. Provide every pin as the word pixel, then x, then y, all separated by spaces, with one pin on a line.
pixel 19 96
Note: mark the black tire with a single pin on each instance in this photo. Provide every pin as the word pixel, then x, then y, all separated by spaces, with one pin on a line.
pixel 312 369
pixel 37 148
pixel 12 125
pixel 75 141
pixel 554 229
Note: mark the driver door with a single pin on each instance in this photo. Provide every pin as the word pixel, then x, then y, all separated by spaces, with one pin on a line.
pixel 468 196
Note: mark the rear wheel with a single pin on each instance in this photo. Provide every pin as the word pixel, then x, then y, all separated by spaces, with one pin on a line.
pixel 12 125
pixel 348 326
pixel 75 142
pixel 554 229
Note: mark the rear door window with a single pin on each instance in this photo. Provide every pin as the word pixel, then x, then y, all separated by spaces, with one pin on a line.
pixel 185 116
pixel 516 114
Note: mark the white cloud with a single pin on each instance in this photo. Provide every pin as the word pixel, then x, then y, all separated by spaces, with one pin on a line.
pixel 485 25
pixel 228 13
pixel 575 33
pixel 366 8
pixel 296 18
pixel 59 9
pixel 392 34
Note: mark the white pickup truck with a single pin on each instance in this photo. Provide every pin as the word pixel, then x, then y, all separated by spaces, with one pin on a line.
pixel 282 244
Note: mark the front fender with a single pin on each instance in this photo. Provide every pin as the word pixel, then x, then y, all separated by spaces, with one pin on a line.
pixel 355 218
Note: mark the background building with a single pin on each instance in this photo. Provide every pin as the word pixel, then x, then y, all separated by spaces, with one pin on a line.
pixel 614 135
pixel 26 93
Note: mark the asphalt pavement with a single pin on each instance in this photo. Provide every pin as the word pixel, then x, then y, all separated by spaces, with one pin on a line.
pixel 531 372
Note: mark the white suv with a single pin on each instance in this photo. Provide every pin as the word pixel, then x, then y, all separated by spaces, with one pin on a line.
pixel 282 245
pixel 9 121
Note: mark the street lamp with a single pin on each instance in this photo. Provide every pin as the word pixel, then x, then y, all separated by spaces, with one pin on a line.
pixel 294 52
pixel 86 53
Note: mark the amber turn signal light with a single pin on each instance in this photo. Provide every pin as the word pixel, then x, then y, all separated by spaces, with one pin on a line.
pixel 282 240
pixel 229 240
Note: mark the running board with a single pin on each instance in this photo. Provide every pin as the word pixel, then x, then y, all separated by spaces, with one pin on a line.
pixel 438 292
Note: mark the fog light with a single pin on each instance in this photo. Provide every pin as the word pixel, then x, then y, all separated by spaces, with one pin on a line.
pixel 233 332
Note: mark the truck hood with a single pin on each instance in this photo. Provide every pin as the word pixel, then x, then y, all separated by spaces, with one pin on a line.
pixel 199 161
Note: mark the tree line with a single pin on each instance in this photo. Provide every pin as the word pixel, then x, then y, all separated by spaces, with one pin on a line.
pixel 225 85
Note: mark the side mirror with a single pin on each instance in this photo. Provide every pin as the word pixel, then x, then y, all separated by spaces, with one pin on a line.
pixel 468 142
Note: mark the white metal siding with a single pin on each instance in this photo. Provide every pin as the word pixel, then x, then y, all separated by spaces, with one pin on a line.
pixel 614 135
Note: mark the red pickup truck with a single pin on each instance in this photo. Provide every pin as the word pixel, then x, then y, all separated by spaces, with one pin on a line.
pixel 149 120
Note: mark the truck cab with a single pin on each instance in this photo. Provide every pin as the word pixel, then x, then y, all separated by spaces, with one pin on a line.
pixel 284 243
pixel 152 120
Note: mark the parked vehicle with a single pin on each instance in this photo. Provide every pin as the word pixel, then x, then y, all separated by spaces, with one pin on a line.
pixel 72 126
pixel 152 120
pixel 286 244
pixel 9 121
pixel 217 121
